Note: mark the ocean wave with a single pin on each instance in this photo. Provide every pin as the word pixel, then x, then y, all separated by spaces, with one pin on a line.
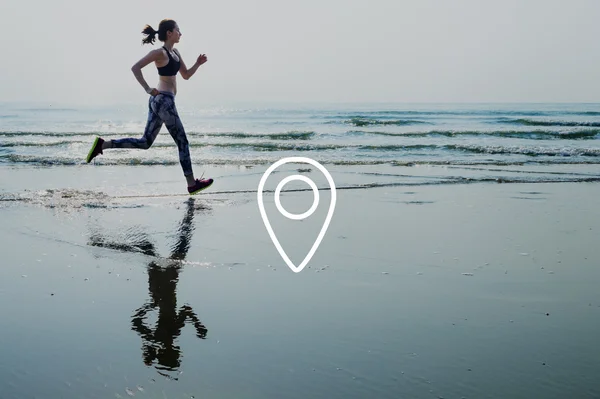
pixel 49 109
pixel 360 149
pixel 69 161
pixel 254 146
pixel 518 156
pixel 291 135
pixel 539 134
pixel 533 122
pixel 263 146
pixel 474 180
pixel 529 151
pixel 36 144
pixel 361 122
pixel 294 135
pixel 466 112
pixel 532 135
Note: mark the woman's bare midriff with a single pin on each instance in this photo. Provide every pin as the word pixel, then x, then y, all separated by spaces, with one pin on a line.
pixel 167 83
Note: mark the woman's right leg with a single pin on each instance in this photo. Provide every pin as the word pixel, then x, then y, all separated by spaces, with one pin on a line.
pixel 153 126
pixel 168 113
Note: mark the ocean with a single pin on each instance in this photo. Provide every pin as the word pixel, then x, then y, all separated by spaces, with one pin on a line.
pixel 359 134
pixel 461 260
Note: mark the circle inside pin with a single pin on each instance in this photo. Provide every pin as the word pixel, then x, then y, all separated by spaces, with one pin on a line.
pixel 293 216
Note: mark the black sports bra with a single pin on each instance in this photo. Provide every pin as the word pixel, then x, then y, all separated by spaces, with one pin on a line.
pixel 171 68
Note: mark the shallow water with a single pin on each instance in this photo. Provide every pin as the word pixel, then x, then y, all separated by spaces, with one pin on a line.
pixel 461 290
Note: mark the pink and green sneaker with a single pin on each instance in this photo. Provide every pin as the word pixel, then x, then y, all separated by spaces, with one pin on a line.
pixel 200 185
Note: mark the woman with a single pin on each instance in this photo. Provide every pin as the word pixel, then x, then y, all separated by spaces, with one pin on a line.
pixel 161 106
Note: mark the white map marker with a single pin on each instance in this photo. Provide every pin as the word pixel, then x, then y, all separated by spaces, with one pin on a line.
pixel 261 206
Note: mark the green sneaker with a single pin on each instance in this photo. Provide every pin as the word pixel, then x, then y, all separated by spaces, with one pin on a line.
pixel 95 150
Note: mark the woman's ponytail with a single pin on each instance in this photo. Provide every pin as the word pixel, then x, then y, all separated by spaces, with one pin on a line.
pixel 150 35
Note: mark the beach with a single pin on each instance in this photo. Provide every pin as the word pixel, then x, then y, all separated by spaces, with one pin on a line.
pixel 404 200
pixel 430 282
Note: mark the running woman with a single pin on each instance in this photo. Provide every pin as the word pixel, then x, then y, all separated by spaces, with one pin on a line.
pixel 161 105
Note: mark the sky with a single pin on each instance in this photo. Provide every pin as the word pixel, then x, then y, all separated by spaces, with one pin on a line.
pixel 81 52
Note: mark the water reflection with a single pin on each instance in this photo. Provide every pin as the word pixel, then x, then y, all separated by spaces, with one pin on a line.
pixel 159 339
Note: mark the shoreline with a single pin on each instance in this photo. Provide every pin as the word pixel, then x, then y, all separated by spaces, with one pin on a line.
pixel 414 291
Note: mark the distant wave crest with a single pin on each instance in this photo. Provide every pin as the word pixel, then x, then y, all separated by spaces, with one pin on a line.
pixel 533 122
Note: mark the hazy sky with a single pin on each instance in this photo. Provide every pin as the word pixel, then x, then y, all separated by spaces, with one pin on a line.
pixel 81 52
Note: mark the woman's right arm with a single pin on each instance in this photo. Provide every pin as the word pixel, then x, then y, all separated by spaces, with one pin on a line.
pixel 152 56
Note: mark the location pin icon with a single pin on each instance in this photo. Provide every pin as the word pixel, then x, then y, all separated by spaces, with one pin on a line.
pixel 261 206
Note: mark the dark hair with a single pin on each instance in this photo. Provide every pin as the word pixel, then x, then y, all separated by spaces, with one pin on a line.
pixel 164 26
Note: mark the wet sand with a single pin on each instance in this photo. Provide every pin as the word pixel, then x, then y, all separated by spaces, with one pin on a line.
pixel 116 284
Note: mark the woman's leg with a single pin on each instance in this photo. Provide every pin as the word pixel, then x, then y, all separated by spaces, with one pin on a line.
pixel 153 126
pixel 168 114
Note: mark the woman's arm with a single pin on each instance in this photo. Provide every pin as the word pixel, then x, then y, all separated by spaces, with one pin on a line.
pixel 188 73
pixel 153 55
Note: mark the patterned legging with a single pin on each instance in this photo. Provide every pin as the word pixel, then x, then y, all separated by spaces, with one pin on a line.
pixel 162 110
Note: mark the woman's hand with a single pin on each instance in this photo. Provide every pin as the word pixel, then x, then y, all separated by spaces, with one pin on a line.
pixel 201 59
pixel 153 92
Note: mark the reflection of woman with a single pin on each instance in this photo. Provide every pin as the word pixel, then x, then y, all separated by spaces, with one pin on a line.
pixel 159 343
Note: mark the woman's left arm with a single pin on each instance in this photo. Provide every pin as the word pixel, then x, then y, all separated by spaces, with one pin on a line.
pixel 188 73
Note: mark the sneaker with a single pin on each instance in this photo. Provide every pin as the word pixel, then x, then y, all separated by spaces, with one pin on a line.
pixel 199 186
pixel 96 149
